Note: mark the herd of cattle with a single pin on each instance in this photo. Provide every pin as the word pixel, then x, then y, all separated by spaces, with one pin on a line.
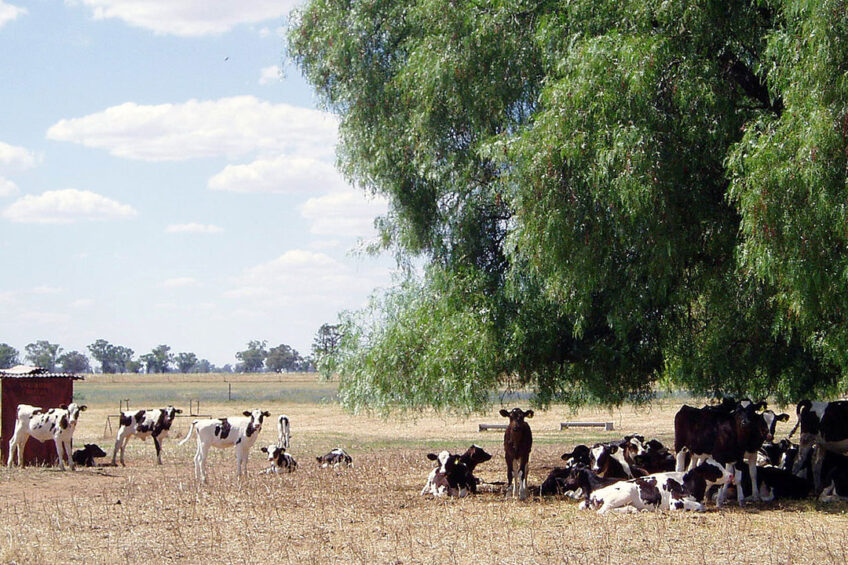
pixel 716 448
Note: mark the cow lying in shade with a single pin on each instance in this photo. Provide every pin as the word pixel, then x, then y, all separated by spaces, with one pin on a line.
pixel 281 462
pixel 335 458
pixel 450 477
pixel 144 424
pixel 576 481
pixel 472 457
pixel 85 457
pixel 57 424
pixel 239 432
pixel 661 491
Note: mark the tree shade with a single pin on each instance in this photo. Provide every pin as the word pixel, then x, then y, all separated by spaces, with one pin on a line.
pixel 607 196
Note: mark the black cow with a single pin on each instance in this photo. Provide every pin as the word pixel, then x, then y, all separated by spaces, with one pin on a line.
pixel 85 457
pixel 518 441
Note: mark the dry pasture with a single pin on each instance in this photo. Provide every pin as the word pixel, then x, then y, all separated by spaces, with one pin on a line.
pixel 373 513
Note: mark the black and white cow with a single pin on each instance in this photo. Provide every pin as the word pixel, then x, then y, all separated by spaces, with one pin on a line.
pixel 728 436
pixel 580 455
pixel 57 424
pixel 281 462
pixel 823 424
pixel 773 483
pixel 144 424
pixel 472 457
pixel 334 458
pixel 85 457
pixel 283 431
pixel 451 477
pixel 835 477
pixel 576 481
pixel 617 459
pixel 656 458
pixel 660 491
pixel 239 432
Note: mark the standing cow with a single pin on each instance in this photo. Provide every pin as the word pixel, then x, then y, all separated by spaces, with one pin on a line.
pixel 518 441
pixel 57 424
pixel 144 424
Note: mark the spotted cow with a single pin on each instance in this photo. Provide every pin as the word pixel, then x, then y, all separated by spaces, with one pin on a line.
pixel 239 432
pixel 57 424
pixel 661 491
pixel 144 424
pixel 281 461
pixel 823 425
pixel 334 458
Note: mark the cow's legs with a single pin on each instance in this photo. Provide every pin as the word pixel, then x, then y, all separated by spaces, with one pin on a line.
pixel 67 446
pixel 680 460
pixel 722 493
pixel 752 468
pixel 522 482
pixel 508 475
pixel 120 443
pixel 17 445
pixel 200 461
pixel 818 462
pixel 158 446
pixel 59 446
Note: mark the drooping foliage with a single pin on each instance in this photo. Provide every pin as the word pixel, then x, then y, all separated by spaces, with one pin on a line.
pixel 606 194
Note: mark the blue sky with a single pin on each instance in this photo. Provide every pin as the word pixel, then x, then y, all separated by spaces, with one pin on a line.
pixel 167 178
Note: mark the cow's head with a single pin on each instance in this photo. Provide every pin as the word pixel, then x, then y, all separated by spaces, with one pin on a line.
pixel 516 416
pixel 256 417
pixel 94 450
pixel 580 455
pixel 74 412
pixel 443 459
pixel 771 420
pixel 275 452
pixel 633 447
pixel 600 454
pixel 475 455
pixel 171 413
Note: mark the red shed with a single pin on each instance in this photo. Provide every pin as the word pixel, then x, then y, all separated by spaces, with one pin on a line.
pixel 38 387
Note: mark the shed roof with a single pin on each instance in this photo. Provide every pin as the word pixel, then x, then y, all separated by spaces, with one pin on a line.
pixel 26 372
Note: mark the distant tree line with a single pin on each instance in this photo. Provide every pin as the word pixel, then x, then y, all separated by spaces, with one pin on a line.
pixel 256 358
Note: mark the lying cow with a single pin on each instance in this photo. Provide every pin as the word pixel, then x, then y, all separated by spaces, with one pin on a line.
pixel 57 424
pixel 472 457
pixel 239 432
pixel 85 457
pixel 281 462
pixel 335 458
pixel 144 424
pixel 451 477
pixel 773 483
pixel 576 481
pixel 617 459
pixel 661 491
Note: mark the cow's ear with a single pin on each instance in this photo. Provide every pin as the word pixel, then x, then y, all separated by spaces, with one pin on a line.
pixel 178 411
pixel 783 417
pixel 247 413
pixel 528 414
pixel 318 459
pixel 760 406
pixel 63 406
pixel 83 408
pixel 504 413
pixel 263 449
pixel 613 449
pixel 432 457
pixel 266 414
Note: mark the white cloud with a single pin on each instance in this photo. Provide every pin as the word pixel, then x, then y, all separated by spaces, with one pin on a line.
pixel 82 303
pixel 190 18
pixel 179 282
pixel 283 174
pixel 66 206
pixel 47 289
pixel 202 128
pixel 7 187
pixel 299 276
pixel 193 227
pixel 12 157
pixel 347 213
pixel 9 12
pixel 270 74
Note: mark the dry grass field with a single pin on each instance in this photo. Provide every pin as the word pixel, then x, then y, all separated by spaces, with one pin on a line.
pixel 371 513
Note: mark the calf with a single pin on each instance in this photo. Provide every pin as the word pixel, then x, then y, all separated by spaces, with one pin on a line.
pixel 144 424
pixel 656 458
pixel 773 483
pixel 617 459
pixel 283 431
pixel 279 459
pixel 85 457
pixel 661 491
pixel 518 441
pixel 726 436
pixel 580 455
pixel 835 479
pixel 575 481
pixel 472 457
pixel 57 424
pixel 335 458
pixel 823 424
pixel 451 477
pixel 239 432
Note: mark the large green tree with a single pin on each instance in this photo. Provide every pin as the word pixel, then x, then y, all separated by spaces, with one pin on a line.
pixel 44 354
pixel 253 358
pixel 8 356
pixel 606 194
pixel 112 358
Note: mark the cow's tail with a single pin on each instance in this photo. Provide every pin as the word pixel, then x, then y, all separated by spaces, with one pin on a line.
pixel 188 435
pixel 802 407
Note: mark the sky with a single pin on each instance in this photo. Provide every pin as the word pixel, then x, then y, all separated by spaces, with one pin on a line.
pixel 167 177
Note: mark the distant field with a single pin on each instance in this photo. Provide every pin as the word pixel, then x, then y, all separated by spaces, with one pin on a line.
pixel 372 513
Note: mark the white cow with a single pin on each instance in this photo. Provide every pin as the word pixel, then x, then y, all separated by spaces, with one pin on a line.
pixel 239 432
pixel 144 424
pixel 283 431
pixel 57 424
